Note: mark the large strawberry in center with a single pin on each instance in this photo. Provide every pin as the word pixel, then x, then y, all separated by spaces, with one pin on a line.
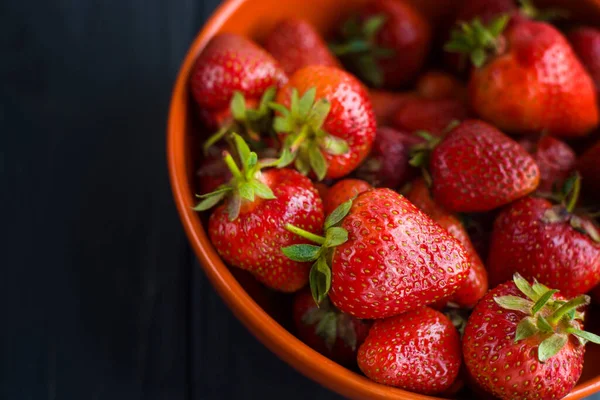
pixel 381 256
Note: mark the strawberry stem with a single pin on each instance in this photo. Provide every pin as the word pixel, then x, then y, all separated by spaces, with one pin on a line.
pixel 300 138
pixel 568 307
pixel 305 234
pixel 235 171
pixel 574 195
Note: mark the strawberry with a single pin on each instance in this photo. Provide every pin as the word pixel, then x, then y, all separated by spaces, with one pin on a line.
pixel 525 341
pixel 330 128
pixel 527 78
pixel 586 44
pixel 429 115
pixel 381 257
pixel 295 43
pixel 554 158
pixel 589 167
pixel 258 205
pixel 386 44
pixel 438 85
pixel 327 330
pixel 387 164
pixel 343 191
pixel 417 351
pixel 475 168
pixel 232 82
pixel 475 285
pixel 322 188
pixel 212 171
pixel 385 104
pixel 550 243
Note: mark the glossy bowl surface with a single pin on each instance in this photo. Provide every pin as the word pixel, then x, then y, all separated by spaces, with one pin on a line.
pixel 258 309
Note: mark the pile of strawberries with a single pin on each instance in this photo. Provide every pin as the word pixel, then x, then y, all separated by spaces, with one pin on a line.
pixel 439 237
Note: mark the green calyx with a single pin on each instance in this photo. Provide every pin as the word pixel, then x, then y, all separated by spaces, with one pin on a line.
pixel 305 139
pixel 244 186
pixel 528 9
pixel 478 41
pixel 567 198
pixel 330 324
pixel 420 154
pixel 247 122
pixel 548 319
pixel 359 47
pixel 320 273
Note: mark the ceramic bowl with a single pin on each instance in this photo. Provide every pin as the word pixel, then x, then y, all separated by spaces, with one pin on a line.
pixel 265 313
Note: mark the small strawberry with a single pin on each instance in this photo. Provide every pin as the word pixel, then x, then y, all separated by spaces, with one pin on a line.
pixel 328 130
pixel 343 191
pixel 327 330
pixel 476 284
pixel 248 230
pixel 417 351
pixel 385 104
pixel 438 85
pixel 586 44
pixel 527 78
pixel 386 43
pixel 589 167
pixel 550 243
pixel 295 43
pixel 381 257
pixel 233 80
pixel 387 164
pixel 429 115
pixel 212 171
pixel 554 158
pixel 476 168
pixel 526 341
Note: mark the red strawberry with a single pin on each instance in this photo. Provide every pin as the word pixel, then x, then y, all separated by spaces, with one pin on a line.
pixel 343 191
pixel 533 83
pixel 475 168
pixel 322 188
pixel 330 129
pixel 589 167
pixel 546 242
pixel 387 164
pixel 327 330
pixel 386 43
pixel 386 257
pixel 295 43
pixel 248 230
pixel 525 342
pixel 417 351
pixel 586 44
pixel 438 85
pixel 554 158
pixel 232 82
pixel 385 104
pixel 432 116
pixel 476 284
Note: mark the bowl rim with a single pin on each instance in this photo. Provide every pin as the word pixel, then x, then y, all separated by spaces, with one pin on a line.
pixel 268 331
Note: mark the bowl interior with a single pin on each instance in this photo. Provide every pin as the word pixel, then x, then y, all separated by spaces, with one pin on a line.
pixel 264 312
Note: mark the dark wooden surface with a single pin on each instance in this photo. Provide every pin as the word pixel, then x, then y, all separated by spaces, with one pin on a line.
pixel 100 295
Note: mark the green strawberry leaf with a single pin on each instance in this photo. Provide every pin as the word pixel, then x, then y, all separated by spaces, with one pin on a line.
pixel 338 214
pixel 542 301
pixel 334 145
pixel 369 69
pixel 514 303
pixel 551 346
pixel 295 104
pixel 354 46
pixel 320 280
pixel 327 329
pixel 478 57
pixel 246 191
pixel 302 165
pixel 242 148
pixel 497 26
pixel 373 25
pixel 302 252
pixel 318 113
pixel 588 336
pixel 286 158
pixel 539 288
pixel 238 106
pixel 307 101
pixel 233 206
pixel 525 329
pixel 267 97
pixel 282 124
pixel 543 325
pixel 525 287
pixel 214 138
pixel 210 201
pixel 280 108
pixel 262 190
pixel 335 236
pixel 251 162
pixel 317 161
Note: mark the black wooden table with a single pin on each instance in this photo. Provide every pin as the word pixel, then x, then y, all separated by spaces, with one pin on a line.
pixel 101 297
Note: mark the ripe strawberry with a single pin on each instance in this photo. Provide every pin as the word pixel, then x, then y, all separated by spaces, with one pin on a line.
pixel 476 284
pixel 386 257
pixel 295 43
pixel 322 188
pixel 386 44
pixel 586 44
pixel 589 167
pixel 387 164
pixel 475 168
pixel 532 83
pixel 546 242
pixel 554 158
pixel 385 104
pixel 232 82
pixel 429 115
pixel 417 351
pixel 343 191
pixel 438 85
pixel 327 330
pixel 329 129
pixel 525 341
pixel 258 205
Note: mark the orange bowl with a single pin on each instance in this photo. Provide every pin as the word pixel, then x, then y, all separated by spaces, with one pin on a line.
pixel 259 309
